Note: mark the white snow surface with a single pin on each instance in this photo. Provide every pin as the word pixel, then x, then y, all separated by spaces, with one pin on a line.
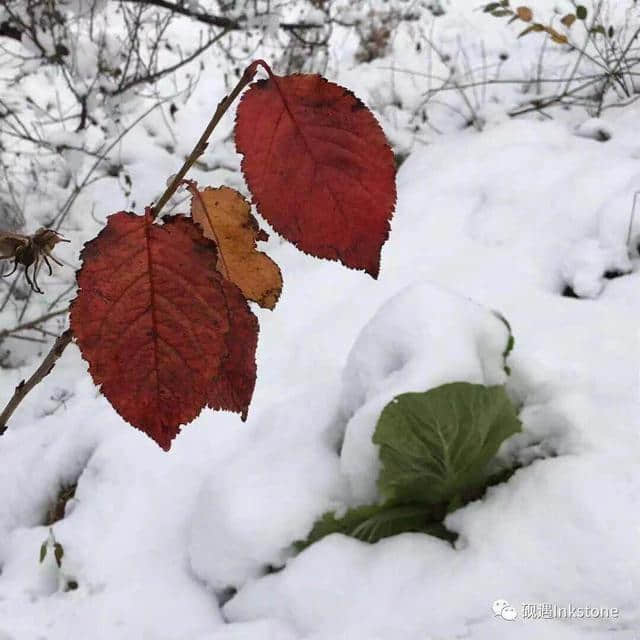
pixel 197 543
pixel 407 347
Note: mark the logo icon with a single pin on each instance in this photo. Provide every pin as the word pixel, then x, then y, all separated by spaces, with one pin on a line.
pixel 504 610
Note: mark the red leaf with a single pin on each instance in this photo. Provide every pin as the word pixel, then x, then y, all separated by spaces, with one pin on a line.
pixel 162 331
pixel 319 167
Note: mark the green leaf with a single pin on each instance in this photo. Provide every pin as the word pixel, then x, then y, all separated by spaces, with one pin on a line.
pixel 436 445
pixel 491 6
pixel 43 551
pixel 500 13
pixel 58 552
pixel 371 523
pixel 581 12
pixel 510 341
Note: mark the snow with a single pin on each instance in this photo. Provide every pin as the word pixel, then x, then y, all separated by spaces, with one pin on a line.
pixel 197 543
pixel 413 586
pixel 251 508
pixel 595 128
pixel 407 347
pixel 587 263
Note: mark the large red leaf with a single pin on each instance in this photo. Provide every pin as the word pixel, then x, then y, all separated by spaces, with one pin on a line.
pixel 318 166
pixel 164 333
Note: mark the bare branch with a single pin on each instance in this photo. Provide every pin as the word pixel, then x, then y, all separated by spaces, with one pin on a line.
pixel 183 10
pixel 40 373
pixel 32 323
pixel 201 145
pixel 218 21
pixel 162 72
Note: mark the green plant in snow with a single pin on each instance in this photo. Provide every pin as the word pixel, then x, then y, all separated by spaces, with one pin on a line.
pixel 435 448
pixel 52 543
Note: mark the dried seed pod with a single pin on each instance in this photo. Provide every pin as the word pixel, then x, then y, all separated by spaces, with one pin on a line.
pixel 30 252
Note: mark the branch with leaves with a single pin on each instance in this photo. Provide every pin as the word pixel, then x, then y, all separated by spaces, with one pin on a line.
pixel 609 51
pixel 162 313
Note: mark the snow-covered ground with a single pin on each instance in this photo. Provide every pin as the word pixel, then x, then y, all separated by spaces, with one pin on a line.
pixel 196 543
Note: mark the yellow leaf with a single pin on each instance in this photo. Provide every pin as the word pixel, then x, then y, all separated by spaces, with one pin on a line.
pixel 525 14
pixel 225 217
pixel 557 37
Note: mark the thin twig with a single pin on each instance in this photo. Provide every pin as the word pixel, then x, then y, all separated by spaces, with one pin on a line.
pixel 40 373
pixel 66 207
pixel 163 72
pixel 28 339
pixel 583 49
pixel 32 323
pixel 633 214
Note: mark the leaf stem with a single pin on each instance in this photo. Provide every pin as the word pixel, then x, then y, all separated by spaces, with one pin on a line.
pixel 264 65
pixel 201 145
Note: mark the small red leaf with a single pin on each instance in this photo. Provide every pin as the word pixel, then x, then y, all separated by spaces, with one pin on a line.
pixel 318 166
pixel 161 329
pixel 232 388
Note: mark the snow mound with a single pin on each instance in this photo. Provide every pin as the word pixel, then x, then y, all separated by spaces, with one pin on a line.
pixel 596 129
pixel 421 338
pixel 588 263
pixel 252 507
pixel 408 586
pixel 267 629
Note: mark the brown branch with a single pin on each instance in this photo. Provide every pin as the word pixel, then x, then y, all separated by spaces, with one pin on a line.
pixel 206 18
pixel 201 145
pixel 40 373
